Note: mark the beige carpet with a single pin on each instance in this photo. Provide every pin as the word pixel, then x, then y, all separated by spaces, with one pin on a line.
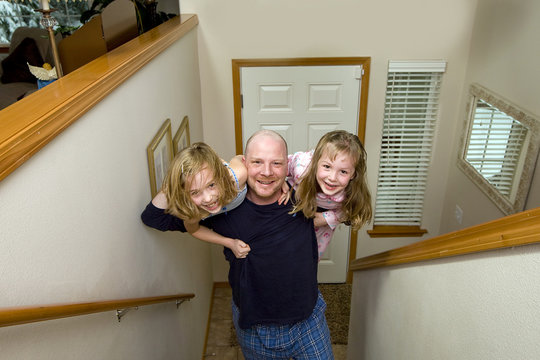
pixel 338 309
pixel 338 302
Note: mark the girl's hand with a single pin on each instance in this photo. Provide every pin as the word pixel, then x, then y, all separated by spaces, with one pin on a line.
pixel 240 249
pixel 285 194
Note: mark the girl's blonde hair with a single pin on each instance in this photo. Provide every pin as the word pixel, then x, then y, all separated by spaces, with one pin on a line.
pixel 177 183
pixel 356 207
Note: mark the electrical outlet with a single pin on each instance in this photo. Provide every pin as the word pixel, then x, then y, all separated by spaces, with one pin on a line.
pixel 458 214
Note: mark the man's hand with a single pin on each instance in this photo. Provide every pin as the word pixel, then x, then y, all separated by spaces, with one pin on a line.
pixel 240 249
pixel 319 220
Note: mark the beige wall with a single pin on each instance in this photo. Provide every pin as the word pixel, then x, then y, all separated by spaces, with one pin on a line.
pixel 504 55
pixel 382 30
pixel 70 229
pixel 480 306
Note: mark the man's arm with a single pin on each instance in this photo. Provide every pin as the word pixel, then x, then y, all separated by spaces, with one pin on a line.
pixel 319 220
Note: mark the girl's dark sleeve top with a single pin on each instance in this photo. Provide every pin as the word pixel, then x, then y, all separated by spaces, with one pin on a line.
pixel 158 219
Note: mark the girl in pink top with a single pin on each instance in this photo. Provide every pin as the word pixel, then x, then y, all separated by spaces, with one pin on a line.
pixel 330 184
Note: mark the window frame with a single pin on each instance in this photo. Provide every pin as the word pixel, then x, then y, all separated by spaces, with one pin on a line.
pixel 515 201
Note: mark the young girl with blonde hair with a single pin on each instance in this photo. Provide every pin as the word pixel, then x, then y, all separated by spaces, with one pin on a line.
pixel 330 184
pixel 198 185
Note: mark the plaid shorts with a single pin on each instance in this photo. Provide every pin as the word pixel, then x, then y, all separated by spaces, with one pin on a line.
pixel 307 340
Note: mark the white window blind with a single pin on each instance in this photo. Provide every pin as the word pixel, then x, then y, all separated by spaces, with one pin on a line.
pixel 495 146
pixel 410 113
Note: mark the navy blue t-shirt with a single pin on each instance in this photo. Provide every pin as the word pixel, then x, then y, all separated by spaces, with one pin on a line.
pixel 277 282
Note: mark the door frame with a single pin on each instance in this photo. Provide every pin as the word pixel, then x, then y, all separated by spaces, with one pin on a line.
pixel 365 62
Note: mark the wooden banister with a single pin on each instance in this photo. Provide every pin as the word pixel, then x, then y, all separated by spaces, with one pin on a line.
pixel 32 122
pixel 28 314
pixel 514 230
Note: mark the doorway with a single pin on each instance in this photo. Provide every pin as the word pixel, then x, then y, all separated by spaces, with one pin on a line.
pixel 302 99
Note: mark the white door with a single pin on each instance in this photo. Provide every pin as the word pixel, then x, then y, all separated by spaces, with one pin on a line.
pixel 302 103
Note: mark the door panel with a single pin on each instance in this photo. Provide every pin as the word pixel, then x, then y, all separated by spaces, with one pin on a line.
pixel 273 98
pixel 325 97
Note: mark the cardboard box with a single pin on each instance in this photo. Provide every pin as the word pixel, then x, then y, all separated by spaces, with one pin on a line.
pixel 116 25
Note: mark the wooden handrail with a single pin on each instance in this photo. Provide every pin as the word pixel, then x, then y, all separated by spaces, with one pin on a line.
pixel 32 122
pixel 514 230
pixel 28 314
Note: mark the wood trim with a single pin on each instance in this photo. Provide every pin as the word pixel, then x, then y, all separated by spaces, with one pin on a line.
pixel 362 116
pixel 316 61
pixel 352 253
pixel 222 284
pixel 237 103
pixel 209 319
pixel 24 315
pixel 396 231
pixel 514 230
pixel 32 122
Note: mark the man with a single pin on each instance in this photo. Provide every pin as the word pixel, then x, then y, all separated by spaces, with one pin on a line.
pixel 278 311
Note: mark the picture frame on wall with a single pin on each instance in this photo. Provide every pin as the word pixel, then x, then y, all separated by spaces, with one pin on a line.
pixel 181 138
pixel 160 155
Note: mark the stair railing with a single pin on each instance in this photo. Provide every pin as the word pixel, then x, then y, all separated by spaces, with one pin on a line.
pixel 28 314
pixel 515 230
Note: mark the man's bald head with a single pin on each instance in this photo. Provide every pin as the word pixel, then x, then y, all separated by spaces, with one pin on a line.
pixel 265 132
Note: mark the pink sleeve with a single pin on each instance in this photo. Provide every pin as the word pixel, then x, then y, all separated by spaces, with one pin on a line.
pixel 332 217
pixel 295 167
pixel 290 164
